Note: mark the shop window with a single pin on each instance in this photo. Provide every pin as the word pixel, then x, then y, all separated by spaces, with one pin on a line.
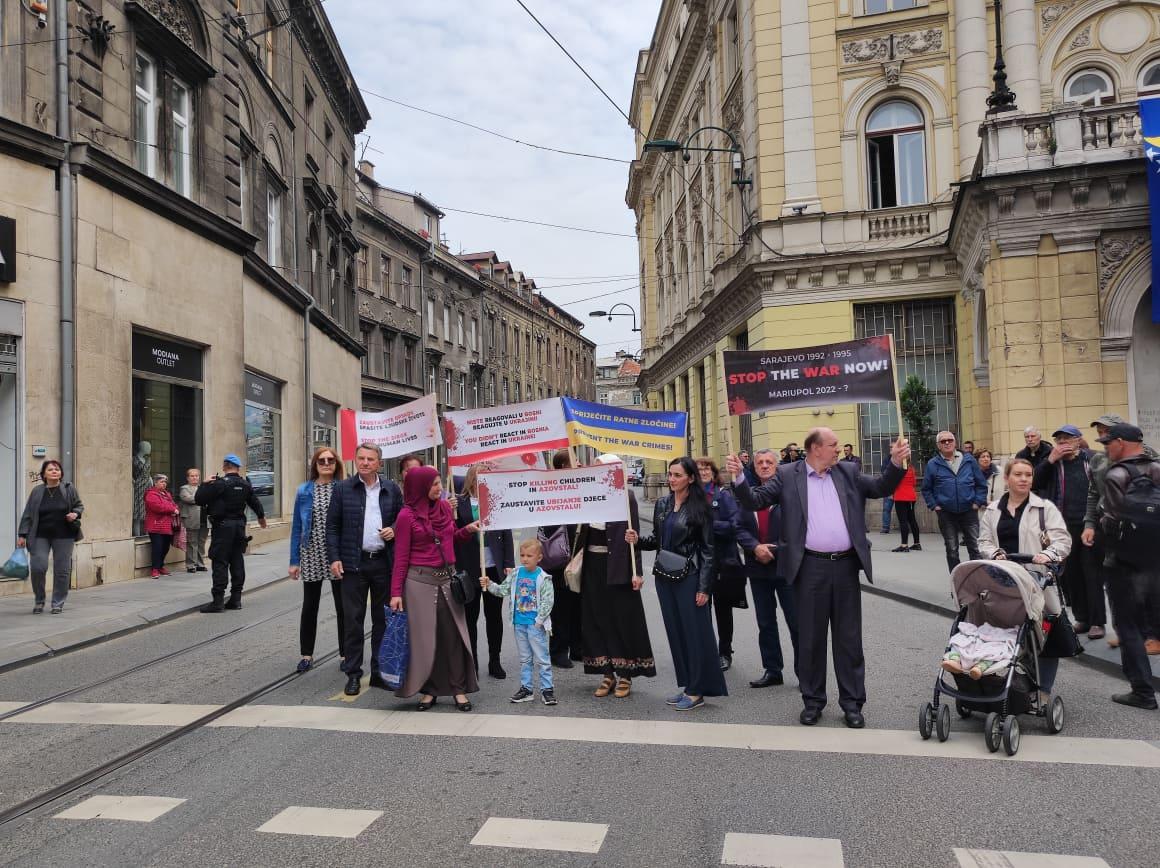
pixel 1090 87
pixel 263 428
pixel 325 423
pixel 166 415
pixel 1149 84
pixel 896 153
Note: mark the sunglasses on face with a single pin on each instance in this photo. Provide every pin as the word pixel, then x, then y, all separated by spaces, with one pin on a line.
pixel 326 461
pixel 951 440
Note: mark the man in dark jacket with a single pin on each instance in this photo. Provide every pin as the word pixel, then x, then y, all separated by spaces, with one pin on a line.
pixel 757 534
pixel 1036 450
pixel 822 543
pixel 360 544
pixel 1064 479
pixel 954 487
pixel 225 498
pixel 1133 587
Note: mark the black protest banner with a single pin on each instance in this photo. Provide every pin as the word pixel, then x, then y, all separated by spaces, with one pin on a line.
pixel 845 373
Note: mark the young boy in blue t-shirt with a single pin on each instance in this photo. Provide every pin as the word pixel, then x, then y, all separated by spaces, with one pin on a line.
pixel 531 609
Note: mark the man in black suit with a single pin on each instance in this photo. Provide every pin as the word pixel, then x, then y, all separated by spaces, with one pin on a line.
pixel 822 544
pixel 757 535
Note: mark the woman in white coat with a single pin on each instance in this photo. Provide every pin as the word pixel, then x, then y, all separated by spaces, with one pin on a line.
pixel 1023 522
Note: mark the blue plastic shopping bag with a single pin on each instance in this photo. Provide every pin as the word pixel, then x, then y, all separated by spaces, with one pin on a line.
pixel 395 651
pixel 16 567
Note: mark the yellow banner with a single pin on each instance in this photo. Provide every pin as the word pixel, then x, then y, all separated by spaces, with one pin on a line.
pixel 622 443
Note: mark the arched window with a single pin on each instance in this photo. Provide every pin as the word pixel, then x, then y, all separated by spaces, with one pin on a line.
pixel 1149 84
pixel 684 282
pixel 1090 87
pixel 896 155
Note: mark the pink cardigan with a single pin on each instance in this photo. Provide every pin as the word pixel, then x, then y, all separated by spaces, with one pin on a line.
pixel 414 546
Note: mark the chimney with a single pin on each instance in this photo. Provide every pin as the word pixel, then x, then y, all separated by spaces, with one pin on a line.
pixel 367 168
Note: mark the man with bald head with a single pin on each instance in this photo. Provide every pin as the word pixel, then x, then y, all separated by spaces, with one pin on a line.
pixel 954 487
pixel 821 546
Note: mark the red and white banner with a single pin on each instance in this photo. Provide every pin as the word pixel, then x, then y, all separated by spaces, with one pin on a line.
pixel 530 498
pixel 480 435
pixel 407 428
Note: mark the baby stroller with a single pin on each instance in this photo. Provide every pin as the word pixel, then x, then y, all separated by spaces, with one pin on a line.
pixel 1008 594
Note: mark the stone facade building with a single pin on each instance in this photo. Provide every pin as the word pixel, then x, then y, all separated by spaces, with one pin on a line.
pixel 208 238
pixel 1007 254
pixel 616 378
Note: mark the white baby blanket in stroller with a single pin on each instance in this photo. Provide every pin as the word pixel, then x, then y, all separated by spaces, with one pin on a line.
pixel 984 643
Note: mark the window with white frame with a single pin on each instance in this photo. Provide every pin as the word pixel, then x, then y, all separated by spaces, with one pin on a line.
pixel 459 331
pixel 474 334
pixel 462 391
pixel 1090 87
pixel 384 275
pixel 388 355
pixel 896 155
pixel 431 379
pixel 447 323
pixel 873 7
pixel 430 314
pixel 405 287
pixel 181 136
pixel 145 114
pixel 273 222
pixel 447 385
pixel 1149 82
pixel 408 362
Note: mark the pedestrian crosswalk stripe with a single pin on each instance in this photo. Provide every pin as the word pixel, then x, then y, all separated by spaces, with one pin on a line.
pixel 320 822
pixel 1010 859
pixel 541 835
pixel 781 851
pixel 137 809
pixel 1132 753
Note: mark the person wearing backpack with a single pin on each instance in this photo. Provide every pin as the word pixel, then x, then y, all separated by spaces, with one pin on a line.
pixel 1131 523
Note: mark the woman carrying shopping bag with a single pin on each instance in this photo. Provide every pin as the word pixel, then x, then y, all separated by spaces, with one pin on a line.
pixel 51 524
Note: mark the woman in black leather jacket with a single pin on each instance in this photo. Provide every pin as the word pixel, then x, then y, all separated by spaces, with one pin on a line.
pixel 683 525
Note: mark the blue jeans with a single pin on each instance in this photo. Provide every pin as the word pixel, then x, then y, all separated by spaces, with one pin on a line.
pixel 532 641
pixel 887 511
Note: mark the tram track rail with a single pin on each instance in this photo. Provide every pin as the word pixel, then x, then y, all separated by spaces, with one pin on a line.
pixel 97 773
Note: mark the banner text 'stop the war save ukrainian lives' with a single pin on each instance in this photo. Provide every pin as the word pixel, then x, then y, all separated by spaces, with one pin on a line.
pixel 843 373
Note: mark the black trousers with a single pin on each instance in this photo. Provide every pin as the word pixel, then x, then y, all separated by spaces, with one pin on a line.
pixel 492 616
pixel 906 520
pixel 723 613
pixel 1135 597
pixel 766 592
pixel 373 577
pixel 954 525
pixel 308 626
pixel 566 638
pixel 159 544
pixel 829 600
pixel 227 549
pixel 1083 583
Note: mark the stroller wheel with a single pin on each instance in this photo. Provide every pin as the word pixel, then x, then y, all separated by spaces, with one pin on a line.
pixel 1011 735
pixel 943 723
pixel 991 731
pixel 963 711
pixel 1055 716
pixel 926 721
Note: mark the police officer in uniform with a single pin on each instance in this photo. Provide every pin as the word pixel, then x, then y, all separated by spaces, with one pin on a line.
pixel 225 498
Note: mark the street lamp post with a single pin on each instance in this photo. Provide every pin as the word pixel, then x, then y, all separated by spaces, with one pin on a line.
pixel 668 146
pixel 1001 98
pixel 611 312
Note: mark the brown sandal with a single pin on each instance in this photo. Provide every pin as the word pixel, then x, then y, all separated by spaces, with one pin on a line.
pixel 605 687
pixel 623 688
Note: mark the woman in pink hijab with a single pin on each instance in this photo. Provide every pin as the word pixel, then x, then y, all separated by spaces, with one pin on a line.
pixel 425 534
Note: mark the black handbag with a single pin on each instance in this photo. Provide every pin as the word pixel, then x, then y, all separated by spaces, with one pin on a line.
pixel 672 567
pixel 463 587
pixel 1061 640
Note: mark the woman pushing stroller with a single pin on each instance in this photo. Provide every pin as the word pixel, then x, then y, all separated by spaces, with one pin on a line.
pixel 1023 522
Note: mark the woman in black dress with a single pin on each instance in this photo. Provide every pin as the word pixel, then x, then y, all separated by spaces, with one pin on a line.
pixel 612 622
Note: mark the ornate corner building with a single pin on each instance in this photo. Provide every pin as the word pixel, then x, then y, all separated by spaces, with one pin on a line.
pixel 1007 253
pixel 193 291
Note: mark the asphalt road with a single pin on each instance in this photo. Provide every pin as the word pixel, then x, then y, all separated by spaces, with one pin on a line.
pixel 652 785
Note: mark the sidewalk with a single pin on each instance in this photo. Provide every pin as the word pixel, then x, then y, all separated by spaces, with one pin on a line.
pixel 95 614
pixel 921 579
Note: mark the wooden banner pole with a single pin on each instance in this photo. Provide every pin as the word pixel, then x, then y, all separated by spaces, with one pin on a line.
pixel 897 394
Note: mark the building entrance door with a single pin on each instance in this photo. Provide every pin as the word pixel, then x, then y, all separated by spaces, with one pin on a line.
pixel 11 488
pixel 1145 366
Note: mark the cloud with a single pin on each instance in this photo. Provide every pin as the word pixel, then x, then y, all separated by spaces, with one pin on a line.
pixel 488 63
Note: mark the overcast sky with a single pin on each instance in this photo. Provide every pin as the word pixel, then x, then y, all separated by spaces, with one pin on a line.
pixel 487 62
